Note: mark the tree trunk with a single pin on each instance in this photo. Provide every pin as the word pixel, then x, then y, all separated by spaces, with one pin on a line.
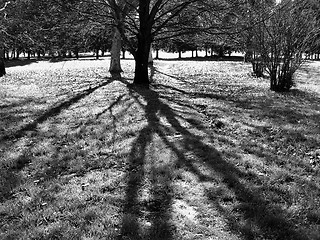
pixel 257 67
pixel 283 81
pixel 157 53
pixel 221 52
pixel 141 55
pixel 123 54
pixel 13 54
pixel 2 68
pixel 248 56
pixel 141 60
pixel 76 53
pixel 115 65
pixel 150 57
pixel 273 81
pixel 97 53
pixel 2 65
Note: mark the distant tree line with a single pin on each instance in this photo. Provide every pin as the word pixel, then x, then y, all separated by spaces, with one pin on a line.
pixel 33 28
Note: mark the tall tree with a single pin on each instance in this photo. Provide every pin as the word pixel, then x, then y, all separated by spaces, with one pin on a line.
pixel 119 11
pixel 115 64
pixel 150 20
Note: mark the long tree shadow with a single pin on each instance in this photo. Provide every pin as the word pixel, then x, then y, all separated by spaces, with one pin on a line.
pixel 262 218
pixel 158 206
pixel 53 111
pixel 9 170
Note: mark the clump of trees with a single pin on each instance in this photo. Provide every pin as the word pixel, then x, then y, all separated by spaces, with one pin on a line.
pixel 278 37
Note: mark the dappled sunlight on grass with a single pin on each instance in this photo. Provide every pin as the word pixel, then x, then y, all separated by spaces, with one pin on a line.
pixel 207 152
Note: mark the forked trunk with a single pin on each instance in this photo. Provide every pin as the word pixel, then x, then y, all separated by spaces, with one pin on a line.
pixel 281 80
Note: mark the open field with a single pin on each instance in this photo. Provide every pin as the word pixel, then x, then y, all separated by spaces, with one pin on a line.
pixel 207 153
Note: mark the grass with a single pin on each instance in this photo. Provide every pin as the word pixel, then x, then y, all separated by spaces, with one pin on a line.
pixel 207 153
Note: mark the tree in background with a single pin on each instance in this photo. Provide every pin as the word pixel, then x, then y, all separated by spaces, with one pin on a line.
pixel 120 10
pixel 179 44
pixel 314 45
pixel 281 39
pixel 2 37
pixel 52 26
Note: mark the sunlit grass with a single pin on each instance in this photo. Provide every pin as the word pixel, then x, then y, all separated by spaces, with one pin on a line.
pixel 208 152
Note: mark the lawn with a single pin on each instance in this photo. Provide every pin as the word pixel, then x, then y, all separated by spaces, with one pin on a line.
pixel 208 152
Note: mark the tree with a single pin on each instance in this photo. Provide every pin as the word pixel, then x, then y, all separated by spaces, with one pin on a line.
pixel 314 47
pixel 179 44
pixel 282 38
pixel 119 11
pixel 34 26
pixel 2 64
pixel 151 20
pixel 115 65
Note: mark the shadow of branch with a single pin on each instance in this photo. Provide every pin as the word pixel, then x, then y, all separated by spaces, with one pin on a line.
pixel 258 213
pixel 55 110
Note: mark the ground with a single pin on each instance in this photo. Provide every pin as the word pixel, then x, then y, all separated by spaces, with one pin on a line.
pixel 208 152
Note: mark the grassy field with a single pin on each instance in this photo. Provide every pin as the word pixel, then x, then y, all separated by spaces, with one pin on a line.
pixel 207 153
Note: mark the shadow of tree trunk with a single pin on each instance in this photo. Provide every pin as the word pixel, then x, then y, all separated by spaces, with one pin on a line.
pixel 158 207
pixel 258 213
